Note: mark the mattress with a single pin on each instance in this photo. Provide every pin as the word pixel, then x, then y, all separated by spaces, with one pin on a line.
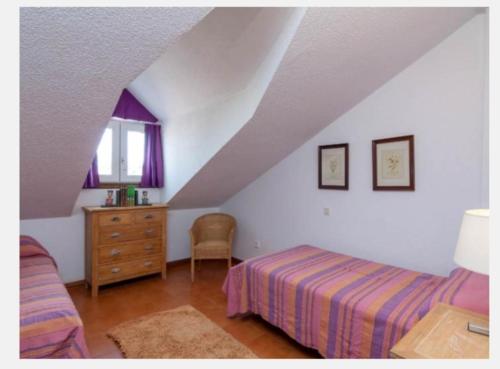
pixel 344 307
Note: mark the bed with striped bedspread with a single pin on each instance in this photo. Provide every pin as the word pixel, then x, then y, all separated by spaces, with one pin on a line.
pixel 342 306
pixel 50 326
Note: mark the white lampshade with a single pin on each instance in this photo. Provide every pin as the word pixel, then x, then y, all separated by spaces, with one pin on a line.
pixel 472 250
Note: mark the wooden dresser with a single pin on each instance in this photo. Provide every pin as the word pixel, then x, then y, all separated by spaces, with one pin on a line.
pixel 123 243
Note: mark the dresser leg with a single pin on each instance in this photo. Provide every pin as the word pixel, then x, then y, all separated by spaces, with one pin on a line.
pixel 164 271
pixel 95 290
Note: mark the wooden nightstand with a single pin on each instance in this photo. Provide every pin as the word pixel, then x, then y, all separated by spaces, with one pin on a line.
pixel 443 334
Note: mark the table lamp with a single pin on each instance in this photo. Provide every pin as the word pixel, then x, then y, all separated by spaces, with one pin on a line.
pixel 472 250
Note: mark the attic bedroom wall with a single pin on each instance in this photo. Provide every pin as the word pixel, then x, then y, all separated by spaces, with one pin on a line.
pixel 441 100
pixel 64 237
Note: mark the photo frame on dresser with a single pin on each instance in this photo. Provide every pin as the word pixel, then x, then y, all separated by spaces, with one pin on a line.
pixel 393 164
pixel 333 167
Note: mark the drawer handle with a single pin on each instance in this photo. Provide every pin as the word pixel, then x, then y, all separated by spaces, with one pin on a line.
pixel 115 219
pixel 148 263
pixel 149 231
pixel 115 252
pixel 115 270
pixel 115 234
pixel 148 247
pixel 148 216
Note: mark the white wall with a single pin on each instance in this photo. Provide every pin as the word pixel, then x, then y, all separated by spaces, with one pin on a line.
pixel 485 196
pixel 440 100
pixel 64 237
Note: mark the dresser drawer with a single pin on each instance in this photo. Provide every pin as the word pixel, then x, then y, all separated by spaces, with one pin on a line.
pixel 119 271
pixel 128 251
pixel 115 219
pixel 119 234
pixel 147 216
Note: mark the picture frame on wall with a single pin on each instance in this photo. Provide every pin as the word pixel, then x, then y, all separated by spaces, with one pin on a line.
pixel 393 164
pixel 333 167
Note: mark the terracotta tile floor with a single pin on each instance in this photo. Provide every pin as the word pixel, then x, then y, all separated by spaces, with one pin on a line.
pixel 132 299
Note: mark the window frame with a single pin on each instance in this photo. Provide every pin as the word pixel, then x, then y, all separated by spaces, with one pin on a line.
pixel 115 154
pixel 119 176
pixel 125 127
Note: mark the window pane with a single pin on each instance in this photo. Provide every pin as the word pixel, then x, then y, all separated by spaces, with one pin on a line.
pixel 105 152
pixel 135 154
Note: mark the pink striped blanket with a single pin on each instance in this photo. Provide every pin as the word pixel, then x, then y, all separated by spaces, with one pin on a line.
pixel 50 326
pixel 342 306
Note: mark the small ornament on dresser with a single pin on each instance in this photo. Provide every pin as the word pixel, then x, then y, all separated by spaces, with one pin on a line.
pixel 145 200
pixel 130 195
pixel 109 198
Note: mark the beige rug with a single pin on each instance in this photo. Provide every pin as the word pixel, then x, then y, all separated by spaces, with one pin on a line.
pixel 181 333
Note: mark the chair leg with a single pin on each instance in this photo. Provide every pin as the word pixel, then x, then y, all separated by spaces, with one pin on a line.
pixel 192 269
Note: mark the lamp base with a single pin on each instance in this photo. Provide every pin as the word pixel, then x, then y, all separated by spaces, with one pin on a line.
pixel 479 329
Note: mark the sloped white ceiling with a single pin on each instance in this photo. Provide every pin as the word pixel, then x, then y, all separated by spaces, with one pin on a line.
pixel 74 64
pixel 208 85
pixel 216 58
pixel 337 58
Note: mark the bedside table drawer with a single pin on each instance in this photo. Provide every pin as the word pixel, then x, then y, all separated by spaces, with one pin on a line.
pixel 115 219
pixel 119 271
pixel 128 251
pixel 119 234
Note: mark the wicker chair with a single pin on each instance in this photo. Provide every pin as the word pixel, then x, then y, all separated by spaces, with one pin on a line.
pixel 212 238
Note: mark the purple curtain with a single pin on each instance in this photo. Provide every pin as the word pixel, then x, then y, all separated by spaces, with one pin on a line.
pixel 128 107
pixel 152 170
pixel 92 180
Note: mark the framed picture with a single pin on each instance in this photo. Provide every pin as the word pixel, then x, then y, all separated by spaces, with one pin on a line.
pixel 393 164
pixel 333 167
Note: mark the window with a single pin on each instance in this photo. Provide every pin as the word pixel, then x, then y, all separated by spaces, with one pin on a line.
pixel 120 155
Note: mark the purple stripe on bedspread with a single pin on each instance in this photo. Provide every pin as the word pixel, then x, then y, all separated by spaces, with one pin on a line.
pixel 301 290
pixel 336 301
pixel 340 305
pixel 302 263
pixel 258 262
pixel 383 315
pixel 356 299
pixel 48 316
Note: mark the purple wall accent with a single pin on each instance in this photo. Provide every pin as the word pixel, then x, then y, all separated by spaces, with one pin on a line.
pixel 152 170
pixel 92 180
pixel 128 107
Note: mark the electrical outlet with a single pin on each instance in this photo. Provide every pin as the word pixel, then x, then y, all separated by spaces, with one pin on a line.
pixel 257 244
pixel 326 211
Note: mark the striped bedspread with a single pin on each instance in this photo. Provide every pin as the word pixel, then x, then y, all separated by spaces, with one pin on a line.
pixel 340 305
pixel 50 326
